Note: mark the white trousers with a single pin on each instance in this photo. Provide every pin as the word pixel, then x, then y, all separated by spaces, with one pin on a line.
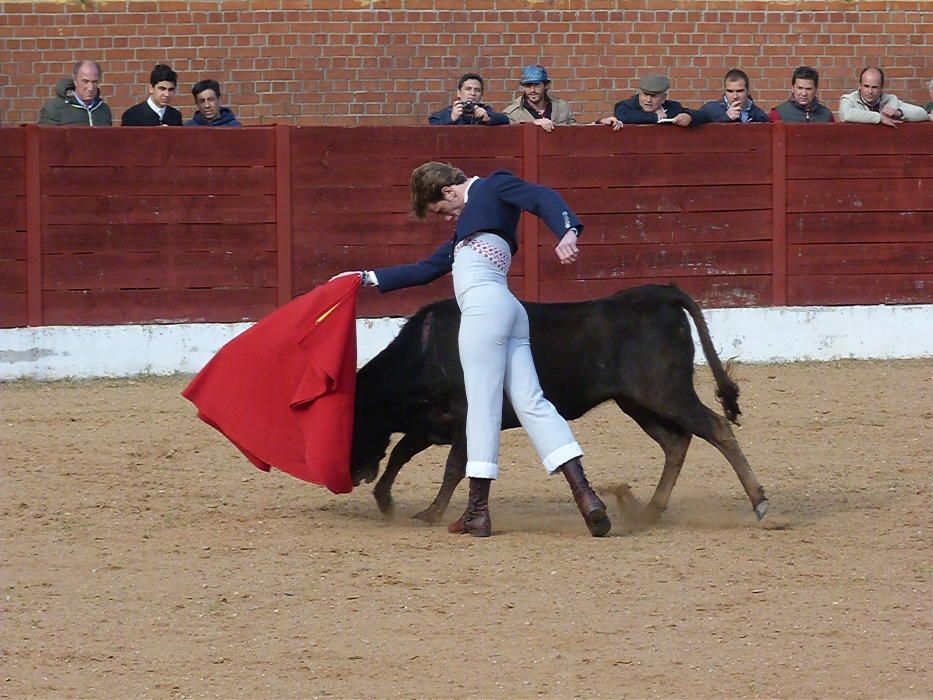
pixel 495 353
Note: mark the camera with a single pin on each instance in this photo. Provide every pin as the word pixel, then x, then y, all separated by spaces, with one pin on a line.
pixel 470 107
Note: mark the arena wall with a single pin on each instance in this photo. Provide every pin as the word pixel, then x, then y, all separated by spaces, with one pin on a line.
pixel 108 227
pixel 345 62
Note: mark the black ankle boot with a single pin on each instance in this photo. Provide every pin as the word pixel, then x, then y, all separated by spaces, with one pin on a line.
pixel 593 509
pixel 475 519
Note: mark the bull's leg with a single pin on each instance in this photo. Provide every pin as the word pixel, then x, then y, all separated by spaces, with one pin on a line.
pixel 404 450
pixel 715 429
pixel 454 471
pixel 674 442
pixel 724 440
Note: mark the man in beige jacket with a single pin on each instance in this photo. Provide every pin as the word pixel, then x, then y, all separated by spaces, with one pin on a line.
pixel 871 105
pixel 535 104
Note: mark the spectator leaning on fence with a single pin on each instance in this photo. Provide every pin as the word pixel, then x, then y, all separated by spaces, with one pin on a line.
pixel 736 105
pixel 803 105
pixel 870 104
pixel 535 104
pixel 929 105
pixel 77 101
pixel 651 106
pixel 157 109
pixel 210 112
pixel 468 107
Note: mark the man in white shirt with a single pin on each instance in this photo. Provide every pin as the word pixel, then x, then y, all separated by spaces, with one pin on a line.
pixel 157 109
pixel 871 105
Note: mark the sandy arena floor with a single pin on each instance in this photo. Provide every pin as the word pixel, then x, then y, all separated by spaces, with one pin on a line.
pixel 142 556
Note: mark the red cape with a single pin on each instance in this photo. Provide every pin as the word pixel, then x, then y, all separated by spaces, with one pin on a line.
pixel 283 391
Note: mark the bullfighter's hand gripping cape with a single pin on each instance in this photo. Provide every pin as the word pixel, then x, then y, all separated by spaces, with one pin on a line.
pixel 283 390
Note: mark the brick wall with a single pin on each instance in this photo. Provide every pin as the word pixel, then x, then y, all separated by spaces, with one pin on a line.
pixel 353 62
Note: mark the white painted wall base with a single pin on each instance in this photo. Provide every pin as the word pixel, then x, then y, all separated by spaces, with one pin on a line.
pixel 777 334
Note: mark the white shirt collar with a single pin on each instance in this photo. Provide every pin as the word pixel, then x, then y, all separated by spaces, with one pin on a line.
pixel 155 108
pixel 466 192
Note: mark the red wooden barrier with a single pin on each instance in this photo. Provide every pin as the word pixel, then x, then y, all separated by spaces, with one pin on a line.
pixel 13 270
pixel 859 214
pixel 104 226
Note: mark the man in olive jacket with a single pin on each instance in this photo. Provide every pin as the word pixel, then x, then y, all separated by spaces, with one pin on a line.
pixel 536 105
pixel 77 101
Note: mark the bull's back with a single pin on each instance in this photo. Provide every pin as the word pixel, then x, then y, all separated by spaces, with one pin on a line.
pixel 626 344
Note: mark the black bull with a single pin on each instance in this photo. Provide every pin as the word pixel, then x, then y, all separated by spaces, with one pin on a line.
pixel 634 347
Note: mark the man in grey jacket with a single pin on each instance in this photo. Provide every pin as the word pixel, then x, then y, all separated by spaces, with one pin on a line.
pixel 871 105
pixel 77 101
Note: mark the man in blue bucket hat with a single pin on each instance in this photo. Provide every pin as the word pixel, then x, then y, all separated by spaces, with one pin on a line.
pixel 535 104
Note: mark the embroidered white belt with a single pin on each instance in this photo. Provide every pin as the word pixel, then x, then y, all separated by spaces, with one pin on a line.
pixel 500 258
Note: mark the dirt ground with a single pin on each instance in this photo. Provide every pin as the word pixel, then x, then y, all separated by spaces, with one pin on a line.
pixel 142 556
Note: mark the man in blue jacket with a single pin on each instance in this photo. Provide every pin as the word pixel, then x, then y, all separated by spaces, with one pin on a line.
pixel 494 337
pixel 468 107
pixel 651 106
pixel 210 112
pixel 736 105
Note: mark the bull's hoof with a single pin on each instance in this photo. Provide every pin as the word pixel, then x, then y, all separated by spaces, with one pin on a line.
pixel 428 515
pixel 651 515
pixel 761 509
pixel 386 505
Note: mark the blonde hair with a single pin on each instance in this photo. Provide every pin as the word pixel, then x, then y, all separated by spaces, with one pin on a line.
pixel 428 182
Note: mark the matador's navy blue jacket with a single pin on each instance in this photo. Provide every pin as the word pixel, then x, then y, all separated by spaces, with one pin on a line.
pixel 494 204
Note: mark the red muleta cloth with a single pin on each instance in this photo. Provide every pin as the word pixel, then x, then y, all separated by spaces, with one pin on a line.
pixel 283 391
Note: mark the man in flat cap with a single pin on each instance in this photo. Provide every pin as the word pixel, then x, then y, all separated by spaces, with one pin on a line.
pixel 651 106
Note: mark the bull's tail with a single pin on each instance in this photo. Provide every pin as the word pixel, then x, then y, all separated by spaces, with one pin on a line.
pixel 727 391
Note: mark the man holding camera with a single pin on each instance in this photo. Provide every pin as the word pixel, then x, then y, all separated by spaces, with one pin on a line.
pixel 468 107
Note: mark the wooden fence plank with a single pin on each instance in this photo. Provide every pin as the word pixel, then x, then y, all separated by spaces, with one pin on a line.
pixel 860 227
pixel 157 147
pixel 382 199
pixel 148 209
pixel 711 292
pixel 13 246
pixel 348 170
pixel 161 270
pixel 864 259
pixel 846 166
pixel 13 276
pixel 356 228
pixel 662 261
pixel 12 178
pixel 320 143
pixel 865 139
pixel 14 214
pixel 13 310
pixel 12 142
pixel 111 306
pixel 859 195
pixel 680 226
pixel 643 169
pixel 871 288
pixel 127 180
pixel 160 237
pixel 718 139
pixel 723 198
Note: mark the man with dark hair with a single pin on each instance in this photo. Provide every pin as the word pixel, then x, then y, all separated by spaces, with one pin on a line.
pixel 736 105
pixel 651 106
pixel 210 112
pixel 157 109
pixel 535 104
pixel 468 107
pixel 803 105
pixel 870 104
pixel 77 101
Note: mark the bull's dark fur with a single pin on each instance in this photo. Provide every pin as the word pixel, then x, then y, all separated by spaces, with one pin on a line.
pixel 634 347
